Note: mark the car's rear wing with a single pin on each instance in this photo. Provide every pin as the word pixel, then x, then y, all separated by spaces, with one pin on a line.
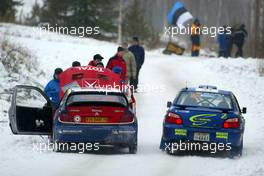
pixel 88 77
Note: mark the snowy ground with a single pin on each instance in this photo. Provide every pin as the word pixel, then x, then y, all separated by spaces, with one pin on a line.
pixel 170 73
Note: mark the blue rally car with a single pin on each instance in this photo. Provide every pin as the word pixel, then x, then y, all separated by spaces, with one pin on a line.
pixel 203 116
pixel 98 117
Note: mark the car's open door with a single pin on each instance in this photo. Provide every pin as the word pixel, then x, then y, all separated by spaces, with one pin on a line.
pixel 31 111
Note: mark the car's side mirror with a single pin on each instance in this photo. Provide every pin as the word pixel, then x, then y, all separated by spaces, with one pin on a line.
pixel 169 103
pixel 244 110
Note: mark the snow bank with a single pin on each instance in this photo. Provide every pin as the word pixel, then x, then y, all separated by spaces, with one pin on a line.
pixel 172 72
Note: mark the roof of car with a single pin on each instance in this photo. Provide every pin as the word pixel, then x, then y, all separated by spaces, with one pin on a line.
pixel 94 90
pixel 199 89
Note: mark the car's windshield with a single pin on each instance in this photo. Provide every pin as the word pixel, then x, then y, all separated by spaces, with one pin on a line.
pixel 96 99
pixel 204 99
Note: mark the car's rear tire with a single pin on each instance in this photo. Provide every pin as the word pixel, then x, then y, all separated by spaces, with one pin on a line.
pixel 133 149
pixel 236 151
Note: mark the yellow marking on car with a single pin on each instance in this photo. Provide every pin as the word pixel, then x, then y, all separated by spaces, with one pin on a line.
pixel 224 116
pixel 96 119
pixel 180 132
pixel 222 135
pixel 201 119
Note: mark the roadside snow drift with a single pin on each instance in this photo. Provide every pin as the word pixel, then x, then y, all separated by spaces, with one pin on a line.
pixel 161 76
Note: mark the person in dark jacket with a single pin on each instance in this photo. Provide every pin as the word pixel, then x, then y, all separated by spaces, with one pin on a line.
pixel 239 39
pixel 139 54
pixel 118 61
pixel 96 59
pixel 195 37
pixel 52 89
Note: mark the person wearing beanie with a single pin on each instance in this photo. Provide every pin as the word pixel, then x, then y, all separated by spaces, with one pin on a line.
pixel 52 89
pixel 96 59
pixel 118 61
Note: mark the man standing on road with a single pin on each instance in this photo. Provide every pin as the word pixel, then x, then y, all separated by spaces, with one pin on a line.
pixel 118 61
pixel 131 65
pixel 139 54
pixel 239 39
pixel 195 38
pixel 52 89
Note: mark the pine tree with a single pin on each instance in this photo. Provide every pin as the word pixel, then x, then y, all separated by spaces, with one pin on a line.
pixel 7 10
pixel 261 37
pixel 80 13
pixel 135 25
pixel 34 18
pixel 134 22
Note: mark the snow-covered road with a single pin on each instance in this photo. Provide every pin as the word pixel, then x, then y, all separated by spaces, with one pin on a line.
pixel 166 75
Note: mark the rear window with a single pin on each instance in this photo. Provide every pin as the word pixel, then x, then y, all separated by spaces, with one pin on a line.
pixel 204 99
pixel 94 99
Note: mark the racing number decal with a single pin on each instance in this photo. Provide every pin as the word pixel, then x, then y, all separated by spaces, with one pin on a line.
pixel 201 119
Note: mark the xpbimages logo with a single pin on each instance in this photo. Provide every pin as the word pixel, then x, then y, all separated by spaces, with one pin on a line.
pixel 81 31
pixel 196 146
pixel 64 146
pixel 213 31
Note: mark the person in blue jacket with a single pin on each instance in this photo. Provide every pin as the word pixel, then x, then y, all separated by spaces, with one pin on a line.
pixel 52 89
pixel 222 41
pixel 139 54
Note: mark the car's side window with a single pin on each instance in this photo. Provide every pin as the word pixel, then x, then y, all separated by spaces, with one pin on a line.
pixel 30 98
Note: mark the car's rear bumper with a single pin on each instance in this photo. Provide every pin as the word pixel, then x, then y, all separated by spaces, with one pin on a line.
pixel 103 134
pixel 175 133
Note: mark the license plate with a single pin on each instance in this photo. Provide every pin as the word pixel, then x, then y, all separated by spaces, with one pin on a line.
pixel 201 137
pixel 96 119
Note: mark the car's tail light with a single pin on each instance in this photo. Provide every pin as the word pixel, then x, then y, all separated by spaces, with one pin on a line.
pixel 173 118
pixel 232 123
pixel 65 117
pixel 127 118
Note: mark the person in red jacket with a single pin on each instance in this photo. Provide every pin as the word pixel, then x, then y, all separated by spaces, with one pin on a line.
pixel 96 59
pixel 118 61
